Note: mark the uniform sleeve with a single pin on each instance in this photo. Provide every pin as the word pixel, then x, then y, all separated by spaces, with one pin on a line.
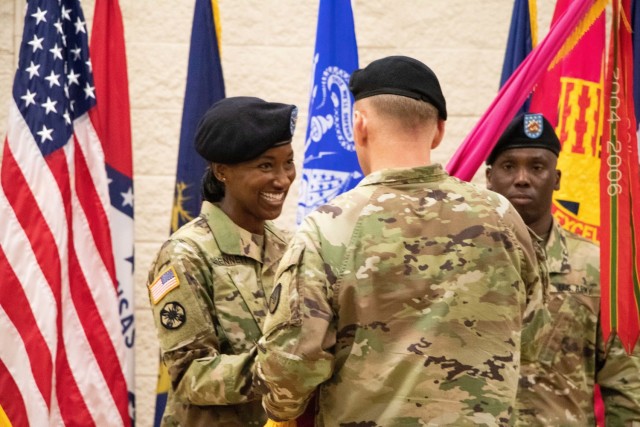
pixel 294 354
pixel 619 378
pixel 183 314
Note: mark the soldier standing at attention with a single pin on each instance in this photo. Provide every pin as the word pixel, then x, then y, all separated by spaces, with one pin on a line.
pixel 403 300
pixel 208 283
pixel 558 391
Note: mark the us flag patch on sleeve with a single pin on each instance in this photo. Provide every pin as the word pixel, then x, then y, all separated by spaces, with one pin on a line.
pixel 167 281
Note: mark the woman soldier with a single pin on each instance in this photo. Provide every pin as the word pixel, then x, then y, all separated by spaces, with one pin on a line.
pixel 208 283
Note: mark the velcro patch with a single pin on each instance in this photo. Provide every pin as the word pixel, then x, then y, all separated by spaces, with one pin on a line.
pixel 167 281
pixel 274 300
pixel 173 315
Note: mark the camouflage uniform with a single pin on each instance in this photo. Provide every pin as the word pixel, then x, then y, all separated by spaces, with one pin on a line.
pixel 403 300
pixel 559 390
pixel 209 323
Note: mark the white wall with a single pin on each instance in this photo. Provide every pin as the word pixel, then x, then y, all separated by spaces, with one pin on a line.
pixel 267 48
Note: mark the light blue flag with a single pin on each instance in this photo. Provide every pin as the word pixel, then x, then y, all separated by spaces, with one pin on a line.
pixel 330 164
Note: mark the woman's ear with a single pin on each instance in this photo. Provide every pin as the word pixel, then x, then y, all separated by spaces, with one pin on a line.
pixel 219 170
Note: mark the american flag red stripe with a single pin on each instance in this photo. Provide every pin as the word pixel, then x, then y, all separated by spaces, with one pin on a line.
pixel 9 387
pixel 61 344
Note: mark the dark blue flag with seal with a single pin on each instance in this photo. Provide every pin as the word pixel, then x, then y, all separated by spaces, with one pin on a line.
pixel 205 86
pixel 330 164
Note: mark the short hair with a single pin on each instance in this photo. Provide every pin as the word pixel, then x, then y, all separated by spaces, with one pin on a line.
pixel 407 111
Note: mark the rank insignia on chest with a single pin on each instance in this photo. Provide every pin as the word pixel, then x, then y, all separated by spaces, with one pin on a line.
pixel 165 282
pixel 172 315
pixel 274 299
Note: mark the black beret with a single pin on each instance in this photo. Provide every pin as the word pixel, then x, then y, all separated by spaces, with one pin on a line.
pixel 399 75
pixel 529 130
pixel 241 128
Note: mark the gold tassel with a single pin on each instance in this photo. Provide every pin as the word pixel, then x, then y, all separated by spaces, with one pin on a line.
pixel 583 26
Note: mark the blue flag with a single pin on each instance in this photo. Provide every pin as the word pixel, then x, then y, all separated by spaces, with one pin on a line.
pixel 520 42
pixel 205 86
pixel 330 164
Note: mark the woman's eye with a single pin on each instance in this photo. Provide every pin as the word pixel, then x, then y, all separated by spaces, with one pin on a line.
pixel 264 166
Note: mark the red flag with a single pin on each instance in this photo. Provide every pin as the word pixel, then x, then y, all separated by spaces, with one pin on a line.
pixel 570 95
pixel 480 141
pixel 61 346
pixel 111 120
pixel 620 189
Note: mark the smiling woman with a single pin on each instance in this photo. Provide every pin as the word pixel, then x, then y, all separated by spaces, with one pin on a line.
pixel 208 283
pixel 255 190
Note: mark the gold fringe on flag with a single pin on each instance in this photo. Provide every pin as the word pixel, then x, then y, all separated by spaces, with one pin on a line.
pixel 533 18
pixel 583 26
pixel 216 20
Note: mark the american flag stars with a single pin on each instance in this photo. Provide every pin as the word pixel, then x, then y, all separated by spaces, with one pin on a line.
pixel 54 84
pixel 40 16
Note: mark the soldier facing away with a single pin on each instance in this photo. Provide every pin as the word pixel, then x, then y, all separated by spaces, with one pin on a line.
pixel 403 301
pixel 558 390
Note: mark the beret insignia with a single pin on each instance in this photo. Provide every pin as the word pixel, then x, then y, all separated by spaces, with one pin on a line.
pixel 533 125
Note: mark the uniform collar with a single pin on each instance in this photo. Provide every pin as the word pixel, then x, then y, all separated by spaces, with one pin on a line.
pixel 433 172
pixel 235 240
pixel 556 250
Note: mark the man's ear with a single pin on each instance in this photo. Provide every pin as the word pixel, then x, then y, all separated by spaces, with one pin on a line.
pixel 558 176
pixel 487 177
pixel 360 127
pixel 437 139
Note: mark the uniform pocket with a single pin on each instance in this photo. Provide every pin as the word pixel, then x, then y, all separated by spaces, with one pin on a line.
pixel 572 337
pixel 284 302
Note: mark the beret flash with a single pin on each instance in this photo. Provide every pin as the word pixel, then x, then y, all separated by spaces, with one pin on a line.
pixel 238 129
pixel 527 131
pixel 399 75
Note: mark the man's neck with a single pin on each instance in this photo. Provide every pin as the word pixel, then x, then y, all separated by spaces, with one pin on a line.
pixel 542 227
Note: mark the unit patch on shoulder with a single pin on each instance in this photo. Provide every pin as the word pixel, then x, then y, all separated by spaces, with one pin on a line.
pixel 172 315
pixel 165 282
pixel 274 299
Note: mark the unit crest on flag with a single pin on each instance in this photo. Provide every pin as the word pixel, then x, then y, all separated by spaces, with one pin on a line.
pixel 331 121
pixel 577 204
pixel 337 113
pixel 179 213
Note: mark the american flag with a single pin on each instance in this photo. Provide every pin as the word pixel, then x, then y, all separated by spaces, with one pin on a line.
pixel 61 345
pixel 163 285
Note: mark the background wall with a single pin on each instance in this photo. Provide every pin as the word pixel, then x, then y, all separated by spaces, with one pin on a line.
pixel 267 48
